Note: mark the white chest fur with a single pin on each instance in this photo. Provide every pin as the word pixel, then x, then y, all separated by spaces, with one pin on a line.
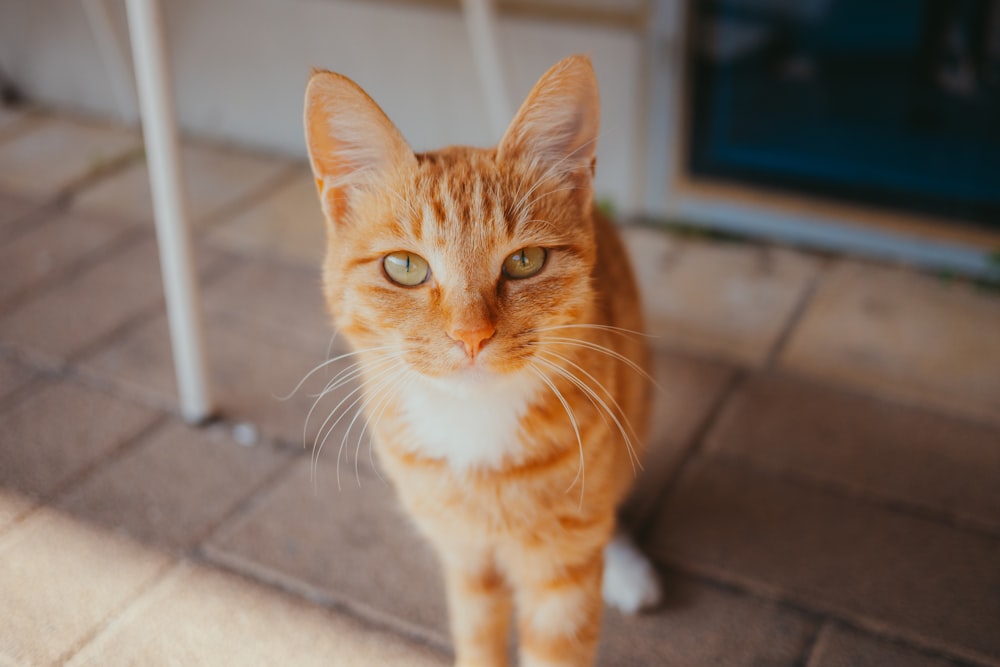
pixel 469 423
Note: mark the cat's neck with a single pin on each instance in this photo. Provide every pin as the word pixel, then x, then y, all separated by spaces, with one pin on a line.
pixel 470 422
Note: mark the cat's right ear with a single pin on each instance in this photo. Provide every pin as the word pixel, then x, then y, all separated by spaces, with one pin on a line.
pixel 558 123
pixel 352 143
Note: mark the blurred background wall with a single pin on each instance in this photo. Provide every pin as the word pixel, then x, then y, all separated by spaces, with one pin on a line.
pixel 841 124
pixel 240 66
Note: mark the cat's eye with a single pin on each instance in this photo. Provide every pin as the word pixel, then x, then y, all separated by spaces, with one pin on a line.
pixel 406 268
pixel 524 263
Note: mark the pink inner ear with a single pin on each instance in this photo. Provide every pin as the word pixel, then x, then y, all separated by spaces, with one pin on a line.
pixel 351 142
pixel 559 121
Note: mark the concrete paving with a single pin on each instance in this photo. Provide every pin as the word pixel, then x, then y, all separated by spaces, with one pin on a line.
pixel 822 485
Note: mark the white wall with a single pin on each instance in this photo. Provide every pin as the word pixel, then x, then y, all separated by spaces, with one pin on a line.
pixel 240 67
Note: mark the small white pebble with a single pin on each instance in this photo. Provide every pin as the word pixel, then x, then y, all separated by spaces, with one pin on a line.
pixel 245 434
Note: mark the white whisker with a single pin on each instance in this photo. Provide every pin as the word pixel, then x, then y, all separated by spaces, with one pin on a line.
pixel 333 337
pixel 323 426
pixel 549 173
pixel 368 398
pixel 580 471
pixel 345 376
pixel 329 430
pixel 598 403
pixel 599 327
pixel 611 353
pixel 549 194
pixel 377 413
pixel 323 365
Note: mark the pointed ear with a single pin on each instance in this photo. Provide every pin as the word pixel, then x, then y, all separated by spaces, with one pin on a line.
pixel 558 124
pixel 352 143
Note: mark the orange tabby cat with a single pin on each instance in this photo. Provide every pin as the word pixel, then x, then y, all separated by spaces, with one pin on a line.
pixel 493 310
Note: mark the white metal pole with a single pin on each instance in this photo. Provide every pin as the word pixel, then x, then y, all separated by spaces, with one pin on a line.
pixel 169 206
pixel 480 22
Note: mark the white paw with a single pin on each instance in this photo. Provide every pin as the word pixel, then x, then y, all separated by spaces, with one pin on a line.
pixel 630 582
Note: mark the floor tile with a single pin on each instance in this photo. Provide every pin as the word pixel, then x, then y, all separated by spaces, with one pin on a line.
pixel 74 315
pixel 62 580
pixel 61 429
pixel 867 446
pixel 279 302
pixel 175 485
pixel 11 119
pixel 839 646
pixel 703 626
pixel 13 506
pixel 279 540
pixel 690 388
pixel 215 179
pixel 13 375
pixel 904 335
pixel 287 225
pixel 13 209
pixel 352 546
pixel 919 580
pixel 51 247
pixel 54 153
pixel 200 616
pixel 249 374
pixel 726 301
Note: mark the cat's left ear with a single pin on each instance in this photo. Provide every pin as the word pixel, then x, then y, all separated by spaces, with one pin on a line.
pixel 558 124
pixel 352 143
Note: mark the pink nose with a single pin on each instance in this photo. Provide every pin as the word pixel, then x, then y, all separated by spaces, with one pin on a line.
pixel 472 339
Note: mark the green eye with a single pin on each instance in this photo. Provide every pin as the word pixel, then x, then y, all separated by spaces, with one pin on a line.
pixel 406 268
pixel 524 263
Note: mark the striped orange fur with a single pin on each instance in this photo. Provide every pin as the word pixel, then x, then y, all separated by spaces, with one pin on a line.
pixel 508 411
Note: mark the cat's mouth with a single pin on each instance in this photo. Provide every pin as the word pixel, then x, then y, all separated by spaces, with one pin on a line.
pixel 466 379
pixel 474 373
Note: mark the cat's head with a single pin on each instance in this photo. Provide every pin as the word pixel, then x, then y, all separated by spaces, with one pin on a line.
pixel 457 260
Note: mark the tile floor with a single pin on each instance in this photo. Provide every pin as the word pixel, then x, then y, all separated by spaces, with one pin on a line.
pixel 822 486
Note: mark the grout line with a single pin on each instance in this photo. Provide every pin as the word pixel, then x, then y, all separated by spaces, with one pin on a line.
pixel 48 500
pixel 263 257
pixel 207 224
pixel 885 397
pixel 809 648
pixel 644 523
pixel 845 491
pixel 136 602
pixel 36 381
pixel 368 615
pixel 795 317
pixel 956 661
pixel 120 244
pixel 26 221
pixel 23 125
pixel 660 344
pixel 253 495
pixel 877 629
pixel 133 441
pixel 99 172
pixel 737 587
pixel 205 278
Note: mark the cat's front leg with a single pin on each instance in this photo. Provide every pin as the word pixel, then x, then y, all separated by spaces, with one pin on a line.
pixel 559 612
pixel 479 608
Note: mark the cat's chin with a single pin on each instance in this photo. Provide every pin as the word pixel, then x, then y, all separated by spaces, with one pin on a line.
pixel 466 379
pixel 470 377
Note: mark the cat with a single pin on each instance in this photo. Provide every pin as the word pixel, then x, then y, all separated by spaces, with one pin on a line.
pixel 498 327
